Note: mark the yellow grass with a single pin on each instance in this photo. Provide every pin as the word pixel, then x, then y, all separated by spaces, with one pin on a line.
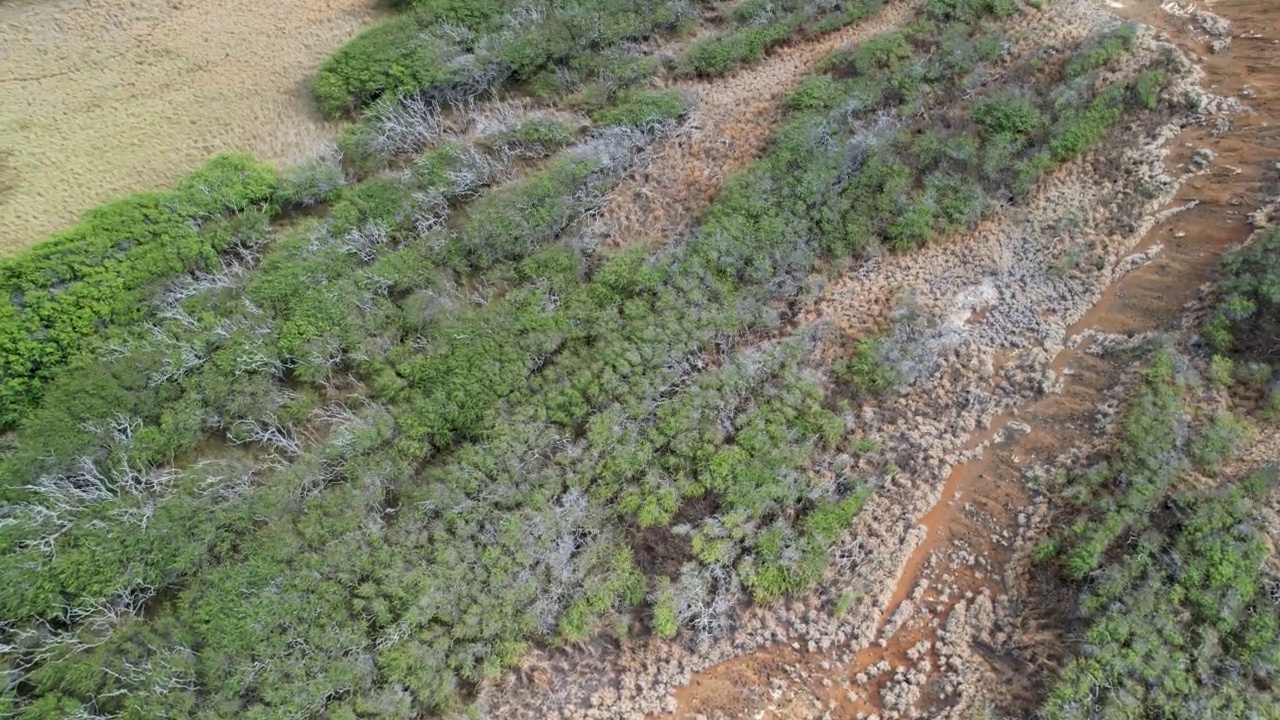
pixel 100 98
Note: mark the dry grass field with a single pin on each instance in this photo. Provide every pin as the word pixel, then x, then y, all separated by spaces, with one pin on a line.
pixel 102 98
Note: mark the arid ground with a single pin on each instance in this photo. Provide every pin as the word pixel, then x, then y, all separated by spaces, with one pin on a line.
pixel 103 98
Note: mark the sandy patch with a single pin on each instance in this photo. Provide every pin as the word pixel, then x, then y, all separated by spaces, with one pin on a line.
pixel 99 98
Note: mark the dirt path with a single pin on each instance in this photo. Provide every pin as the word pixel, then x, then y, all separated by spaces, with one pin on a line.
pixel 732 120
pixel 972 553
pixel 99 98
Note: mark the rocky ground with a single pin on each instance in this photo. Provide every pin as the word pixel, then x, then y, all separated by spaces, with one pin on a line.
pixel 1013 332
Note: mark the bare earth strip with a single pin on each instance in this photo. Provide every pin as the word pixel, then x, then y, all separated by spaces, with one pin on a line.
pixel 99 98
pixel 732 120
pixel 930 572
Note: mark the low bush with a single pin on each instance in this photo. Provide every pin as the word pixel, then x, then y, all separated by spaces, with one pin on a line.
pixel 471 14
pixel 719 54
pixel 532 138
pixel 881 53
pixel 399 56
pixel 1076 131
pixel 869 369
pixel 759 27
pixel 593 81
pixel 415 55
pixel 816 92
pixel 519 218
pixel 1219 440
pixel 643 109
pixel 1175 600
pixel 1147 461
pixel 1005 115
pixel 1102 50
pixel 67 291
pixel 312 182
pixel 968 11
pixel 381 202
pixel 1246 322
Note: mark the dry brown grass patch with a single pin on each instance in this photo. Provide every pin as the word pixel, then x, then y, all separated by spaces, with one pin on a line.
pixel 99 99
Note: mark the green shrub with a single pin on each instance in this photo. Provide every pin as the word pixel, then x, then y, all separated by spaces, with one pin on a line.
pixel 761 26
pixel 968 11
pixel 311 183
pixel 67 291
pixel 719 54
pixel 753 12
pixel 1217 443
pixel 410 54
pixel 1221 370
pixel 357 142
pixel 643 109
pixel 816 92
pixel 532 138
pixel 882 52
pixel 1254 373
pixel 381 201
pixel 931 148
pixel 1008 116
pixel 521 217
pixel 1078 131
pixel 617 68
pixel 1246 322
pixel 1146 89
pixel 913 226
pixel 472 14
pixel 664 614
pixel 869 368
pixel 1044 551
pixel 396 57
pixel 608 73
pixel 1102 50
pixel 1179 617
pixel 454 168
pixel 226 184
pixel 1029 171
pixel 1261 481
pixel 960 203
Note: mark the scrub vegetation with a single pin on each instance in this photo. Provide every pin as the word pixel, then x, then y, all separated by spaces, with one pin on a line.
pixel 1176 607
pixel 350 438
pixel 1177 589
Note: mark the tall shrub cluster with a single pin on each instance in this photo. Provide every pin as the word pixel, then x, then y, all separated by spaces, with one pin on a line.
pixel 64 293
